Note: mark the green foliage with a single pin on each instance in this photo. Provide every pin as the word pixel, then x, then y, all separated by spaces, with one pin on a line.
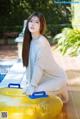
pixel 69 41
pixel 13 12
pixel 52 30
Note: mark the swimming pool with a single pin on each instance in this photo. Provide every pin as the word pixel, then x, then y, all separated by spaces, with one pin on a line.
pixel 3 71
pixel 2 77
pixel 5 65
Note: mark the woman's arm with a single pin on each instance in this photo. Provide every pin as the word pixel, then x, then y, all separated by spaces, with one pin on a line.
pixel 37 75
pixel 40 66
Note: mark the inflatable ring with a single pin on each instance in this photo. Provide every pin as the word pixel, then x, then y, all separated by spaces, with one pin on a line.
pixel 17 105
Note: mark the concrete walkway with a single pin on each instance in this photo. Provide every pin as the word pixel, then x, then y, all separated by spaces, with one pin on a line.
pixel 8 52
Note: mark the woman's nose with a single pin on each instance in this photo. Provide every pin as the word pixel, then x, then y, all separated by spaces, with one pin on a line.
pixel 32 23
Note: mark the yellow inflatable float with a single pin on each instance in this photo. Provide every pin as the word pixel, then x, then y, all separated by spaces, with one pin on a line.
pixel 16 105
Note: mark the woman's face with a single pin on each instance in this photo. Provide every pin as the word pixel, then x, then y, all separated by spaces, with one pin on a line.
pixel 34 25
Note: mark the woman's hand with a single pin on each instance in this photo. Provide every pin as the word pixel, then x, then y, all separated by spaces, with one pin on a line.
pixel 29 89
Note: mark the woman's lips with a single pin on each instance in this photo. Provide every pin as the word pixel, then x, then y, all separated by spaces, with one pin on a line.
pixel 32 27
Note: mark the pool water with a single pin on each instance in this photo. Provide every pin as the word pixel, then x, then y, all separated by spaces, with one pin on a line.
pixel 2 77
pixel 6 65
pixel 3 71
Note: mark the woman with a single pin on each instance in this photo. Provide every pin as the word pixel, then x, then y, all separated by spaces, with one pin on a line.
pixel 42 72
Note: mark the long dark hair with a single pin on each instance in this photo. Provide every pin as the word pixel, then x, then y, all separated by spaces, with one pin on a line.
pixel 27 36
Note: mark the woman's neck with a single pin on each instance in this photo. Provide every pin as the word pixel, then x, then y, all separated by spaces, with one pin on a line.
pixel 35 36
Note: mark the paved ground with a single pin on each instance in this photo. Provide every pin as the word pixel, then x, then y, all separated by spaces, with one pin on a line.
pixel 8 52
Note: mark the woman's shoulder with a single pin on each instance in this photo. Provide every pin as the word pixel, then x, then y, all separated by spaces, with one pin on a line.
pixel 43 41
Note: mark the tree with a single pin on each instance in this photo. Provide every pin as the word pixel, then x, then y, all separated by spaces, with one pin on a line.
pixel 13 12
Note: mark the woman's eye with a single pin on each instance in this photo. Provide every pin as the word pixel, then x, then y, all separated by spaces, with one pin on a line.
pixel 34 21
pixel 30 21
pixel 37 22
